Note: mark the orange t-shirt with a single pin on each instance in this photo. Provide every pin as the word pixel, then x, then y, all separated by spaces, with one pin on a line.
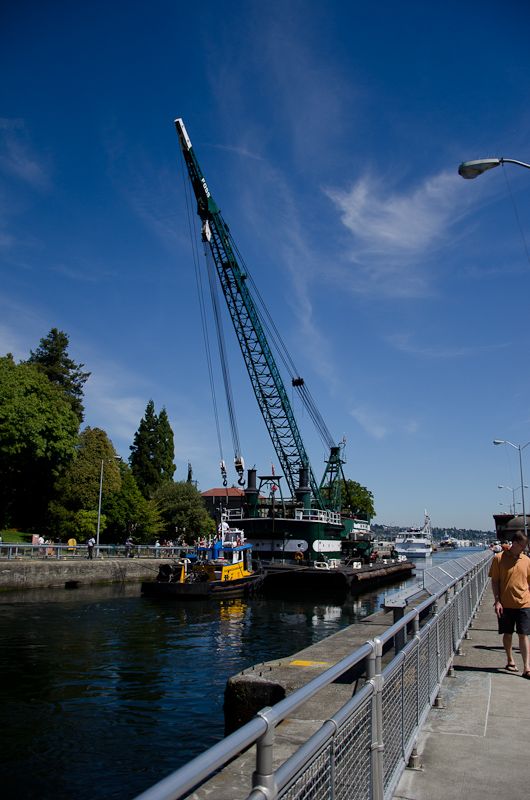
pixel 513 576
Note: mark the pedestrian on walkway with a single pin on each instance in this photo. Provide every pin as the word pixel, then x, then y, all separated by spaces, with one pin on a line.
pixel 510 581
pixel 90 547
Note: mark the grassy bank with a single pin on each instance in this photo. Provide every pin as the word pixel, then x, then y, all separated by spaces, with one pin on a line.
pixel 12 536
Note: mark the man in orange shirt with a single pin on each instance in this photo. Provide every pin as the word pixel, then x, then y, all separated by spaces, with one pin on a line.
pixel 510 581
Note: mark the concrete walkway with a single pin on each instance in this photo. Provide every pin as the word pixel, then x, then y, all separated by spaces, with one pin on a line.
pixel 477 746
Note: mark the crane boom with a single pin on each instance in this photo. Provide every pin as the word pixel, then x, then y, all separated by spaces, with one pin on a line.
pixel 264 375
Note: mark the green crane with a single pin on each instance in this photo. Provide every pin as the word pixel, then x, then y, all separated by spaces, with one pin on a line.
pixel 264 375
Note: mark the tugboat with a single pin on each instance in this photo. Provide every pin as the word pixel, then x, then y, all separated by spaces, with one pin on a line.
pixel 221 568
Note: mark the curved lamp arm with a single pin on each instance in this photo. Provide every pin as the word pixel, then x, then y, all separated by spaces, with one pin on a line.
pixel 472 169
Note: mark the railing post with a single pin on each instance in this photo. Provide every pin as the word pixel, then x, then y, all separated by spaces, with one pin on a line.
pixel 376 679
pixel 399 638
pixel 263 777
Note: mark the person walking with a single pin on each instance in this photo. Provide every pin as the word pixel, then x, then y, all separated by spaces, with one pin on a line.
pixel 510 582
pixel 90 547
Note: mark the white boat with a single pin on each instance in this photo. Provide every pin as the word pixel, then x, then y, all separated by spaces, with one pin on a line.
pixel 415 542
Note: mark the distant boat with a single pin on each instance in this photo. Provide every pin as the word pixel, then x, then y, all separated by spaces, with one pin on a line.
pixel 415 542
pixel 219 569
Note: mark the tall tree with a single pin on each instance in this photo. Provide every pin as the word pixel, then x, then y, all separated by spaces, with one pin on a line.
pixel 128 513
pixel 79 486
pixel 183 510
pixel 166 447
pixel 152 451
pixel 38 436
pixel 51 357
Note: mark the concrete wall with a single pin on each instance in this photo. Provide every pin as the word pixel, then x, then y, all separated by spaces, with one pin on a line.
pixel 25 574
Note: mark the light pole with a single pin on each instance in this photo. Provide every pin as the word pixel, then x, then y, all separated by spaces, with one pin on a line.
pixel 513 491
pixel 472 169
pixel 109 461
pixel 509 488
pixel 520 448
pixel 99 507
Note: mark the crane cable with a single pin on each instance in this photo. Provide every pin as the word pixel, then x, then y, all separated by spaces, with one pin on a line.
pixel 214 294
pixel 194 235
pixel 274 336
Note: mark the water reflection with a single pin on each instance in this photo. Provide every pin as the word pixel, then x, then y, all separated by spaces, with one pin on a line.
pixel 106 692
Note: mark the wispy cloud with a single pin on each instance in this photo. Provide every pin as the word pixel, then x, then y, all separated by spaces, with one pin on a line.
pixel 114 403
pixel 151 189
pixel 378 425
pixel 405 344
pixel 17 158
pixel 394 233
pixel 368 420
pixel 12 342
pixel 244 152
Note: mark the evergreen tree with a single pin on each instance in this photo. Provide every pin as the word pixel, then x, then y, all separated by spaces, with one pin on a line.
pixel 51 357
pixel 152 451
pixel 128 513
pixel 165 447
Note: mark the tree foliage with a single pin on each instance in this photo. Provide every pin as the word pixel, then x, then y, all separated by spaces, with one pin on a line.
pixel 95 455
pixel 129 513
pixel 183 511
pixel 152 451
pixel 357 500
pixel 38 435
pixel 86 524
pixel 51 357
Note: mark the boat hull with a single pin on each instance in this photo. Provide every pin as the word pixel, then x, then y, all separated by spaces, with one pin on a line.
pixel 202 590
pixel 285 538
pixel 414 551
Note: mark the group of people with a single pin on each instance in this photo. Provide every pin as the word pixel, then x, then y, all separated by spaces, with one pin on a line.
pixel 510 582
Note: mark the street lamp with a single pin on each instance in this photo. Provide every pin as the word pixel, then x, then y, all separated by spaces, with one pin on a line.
pixel 509 488
pixel 520 448
pixel 472 169
pixel 513 491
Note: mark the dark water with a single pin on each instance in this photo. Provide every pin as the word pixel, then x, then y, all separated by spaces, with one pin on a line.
pixel 104 692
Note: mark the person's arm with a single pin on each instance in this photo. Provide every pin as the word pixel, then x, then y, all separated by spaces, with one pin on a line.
pixel 496 588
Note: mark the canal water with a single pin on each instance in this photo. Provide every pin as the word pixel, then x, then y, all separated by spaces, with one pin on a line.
pixel 104 692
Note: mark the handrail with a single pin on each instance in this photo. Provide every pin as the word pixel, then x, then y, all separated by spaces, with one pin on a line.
pixel 373 698
pixel 49 551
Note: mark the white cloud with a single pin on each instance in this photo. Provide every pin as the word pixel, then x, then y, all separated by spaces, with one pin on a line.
pixel 379 425
pixel 368 421
pixel 17 157
pixel 403 342
pixel 12 342
pixel 394 234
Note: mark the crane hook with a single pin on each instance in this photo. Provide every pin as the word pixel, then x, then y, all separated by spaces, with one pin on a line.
pixel 240 469
pixel 223 473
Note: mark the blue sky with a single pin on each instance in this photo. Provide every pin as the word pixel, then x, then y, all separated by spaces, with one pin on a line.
pixel 330 135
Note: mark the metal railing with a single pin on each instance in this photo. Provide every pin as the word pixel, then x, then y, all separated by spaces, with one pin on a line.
pixel 80 551
pixel 360 752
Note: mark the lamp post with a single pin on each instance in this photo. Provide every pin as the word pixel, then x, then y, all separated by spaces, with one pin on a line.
pixel 472 169
pixel 509 488
pixel 99 507
pixel 109 461
pixel 513 491
pixel 520 448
